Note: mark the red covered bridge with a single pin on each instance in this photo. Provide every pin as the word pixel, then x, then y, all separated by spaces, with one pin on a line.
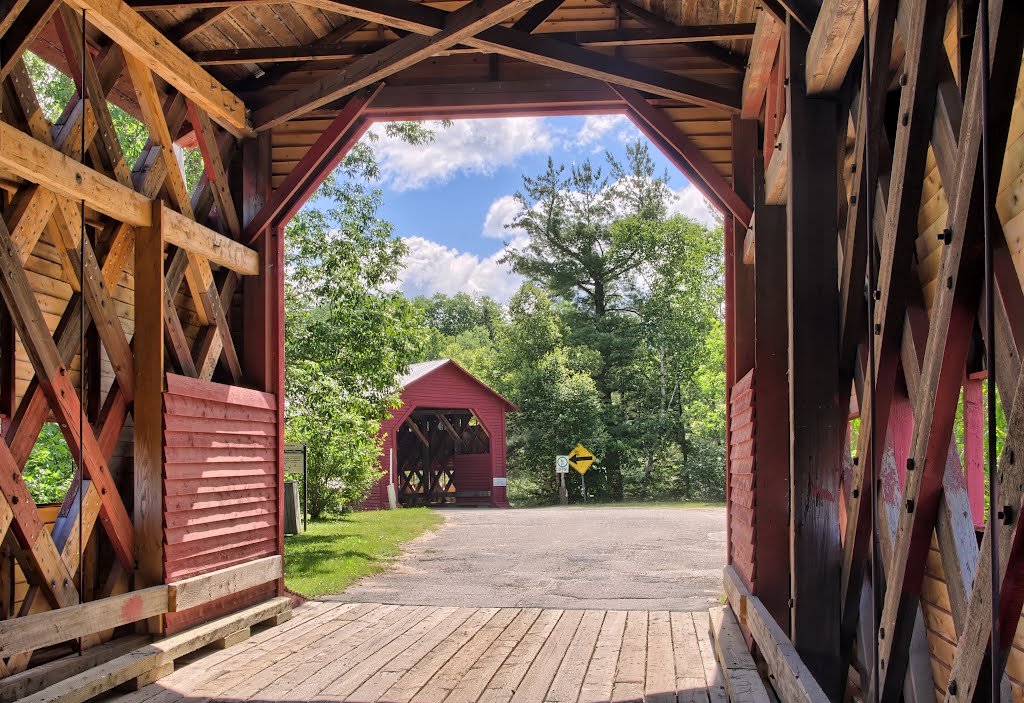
pixel 445 444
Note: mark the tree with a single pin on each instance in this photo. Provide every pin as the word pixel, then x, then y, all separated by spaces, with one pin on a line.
pixel 349 333
pixel 638 294
pixel 559 402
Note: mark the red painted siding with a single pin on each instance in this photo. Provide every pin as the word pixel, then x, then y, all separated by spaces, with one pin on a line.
pixel 741 479
pixel 220 486
pixel 450 386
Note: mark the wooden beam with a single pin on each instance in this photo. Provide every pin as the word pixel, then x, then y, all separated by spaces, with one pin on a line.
pixel 61 395
pixel 763 50
pixel 37 631
pixel 536 15
pixel 835 41
pixel 26 683
pixel 742 679
pixel 817 412
pixel 195 591
pixel 792 679
pixel 334 51
pixel 195 24
pixel 418 432
pixel 148 411
pixel 771 403
pixel 777 176
pixel 537 48
pixel 461 24
pixel 702 172
pixel 21 31
pixel 448 428
pixel 896 256
pixel 145 43
pixel 215 172
pixel 44 165
pixel 952 317
pixel 315 166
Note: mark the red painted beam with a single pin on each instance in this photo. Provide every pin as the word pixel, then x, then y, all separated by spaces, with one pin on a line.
pixel 315 166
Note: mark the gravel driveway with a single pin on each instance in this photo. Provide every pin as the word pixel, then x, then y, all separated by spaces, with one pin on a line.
pixel 575 557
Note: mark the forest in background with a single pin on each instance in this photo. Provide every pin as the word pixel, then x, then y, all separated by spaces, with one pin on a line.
pixel 615 339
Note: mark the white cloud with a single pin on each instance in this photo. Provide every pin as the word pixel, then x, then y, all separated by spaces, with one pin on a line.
pixel 476 147
pixel 690 202
pixel 595 127
pixel 434 268
pixel 503 211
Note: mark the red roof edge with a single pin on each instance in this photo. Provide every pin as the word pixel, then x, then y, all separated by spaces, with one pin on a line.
pixel 509 405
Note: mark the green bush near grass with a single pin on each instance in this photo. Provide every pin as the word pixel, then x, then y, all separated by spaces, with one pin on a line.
pixel 333 553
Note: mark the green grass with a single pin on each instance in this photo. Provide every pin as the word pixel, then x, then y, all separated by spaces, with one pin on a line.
pixel 334 553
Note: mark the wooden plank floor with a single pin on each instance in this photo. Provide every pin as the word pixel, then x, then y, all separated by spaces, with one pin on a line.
pixel 365 652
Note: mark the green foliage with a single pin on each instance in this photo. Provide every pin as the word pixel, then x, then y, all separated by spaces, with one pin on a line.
pixel 348 333
pixel 335 552
pixel 50 467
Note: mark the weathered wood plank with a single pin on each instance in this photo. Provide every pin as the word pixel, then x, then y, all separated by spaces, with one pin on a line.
pixel 36 631
pixel 143 41
pixel 792 680
pixel 191 592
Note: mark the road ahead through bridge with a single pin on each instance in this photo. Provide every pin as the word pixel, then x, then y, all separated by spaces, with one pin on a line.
pixel 612 558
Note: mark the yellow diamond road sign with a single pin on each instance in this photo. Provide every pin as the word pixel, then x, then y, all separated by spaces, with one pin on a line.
pixel 580 458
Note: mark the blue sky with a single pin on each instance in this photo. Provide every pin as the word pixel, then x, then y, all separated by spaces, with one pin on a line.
pixel 450 199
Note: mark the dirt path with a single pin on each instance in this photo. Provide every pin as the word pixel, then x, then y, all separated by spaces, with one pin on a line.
pixel 603 558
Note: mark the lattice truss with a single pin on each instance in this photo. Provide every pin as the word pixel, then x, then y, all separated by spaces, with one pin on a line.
pixel 428 442
pixel 45 177
pixel 927 230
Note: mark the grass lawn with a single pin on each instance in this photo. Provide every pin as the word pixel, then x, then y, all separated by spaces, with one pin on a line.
pixel 334 553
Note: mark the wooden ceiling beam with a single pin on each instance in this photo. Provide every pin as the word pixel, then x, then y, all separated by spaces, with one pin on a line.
pixel 461 24
pixel 333 51
pixel 21 31
pixel 537 15
pixel 763 50
pixel 541 50
pixel 836 39
pixel 315 166
pixel 195 24
pixel 140 39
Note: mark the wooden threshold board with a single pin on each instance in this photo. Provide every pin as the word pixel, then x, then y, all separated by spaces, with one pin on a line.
pixel 158 656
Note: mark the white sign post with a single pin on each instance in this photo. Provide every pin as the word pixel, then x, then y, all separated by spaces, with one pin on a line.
pixel 561 469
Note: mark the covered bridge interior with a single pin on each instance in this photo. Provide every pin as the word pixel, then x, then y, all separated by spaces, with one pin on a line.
pixel 856 201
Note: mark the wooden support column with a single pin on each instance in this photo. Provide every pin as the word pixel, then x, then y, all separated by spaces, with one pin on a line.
pixel 816 412
pixel 149 387
pixel 771 404
pixel 744 149
pixel 255 289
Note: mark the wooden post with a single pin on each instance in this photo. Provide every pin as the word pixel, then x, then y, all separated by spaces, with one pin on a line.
pixel 771 404
pixel 817 413
pixel 149 387
pixel 744 149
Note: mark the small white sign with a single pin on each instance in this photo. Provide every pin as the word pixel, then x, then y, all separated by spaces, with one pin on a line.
pixel 501 482
pixel 561 464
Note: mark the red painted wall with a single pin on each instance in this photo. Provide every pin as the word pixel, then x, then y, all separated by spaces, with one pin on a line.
pixel 450 386
pixel 220 486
